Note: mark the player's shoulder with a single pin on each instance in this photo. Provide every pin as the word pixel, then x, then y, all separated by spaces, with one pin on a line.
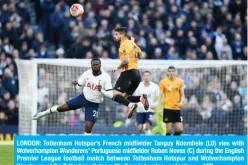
pixel 105 74
pixel 88 72
pixel 164 80
pixel 126 44
pixel 179 80
pixel 153 84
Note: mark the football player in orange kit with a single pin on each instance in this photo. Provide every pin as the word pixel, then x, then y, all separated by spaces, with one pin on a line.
pixel 172 89
pixel 130 77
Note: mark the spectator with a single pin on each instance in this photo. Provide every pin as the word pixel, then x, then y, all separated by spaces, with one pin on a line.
pixel 227 50
pixel 12 113
pixel 9 82
pixel 237 46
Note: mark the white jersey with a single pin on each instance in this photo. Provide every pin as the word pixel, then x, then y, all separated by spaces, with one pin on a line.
pixel 152 92
pixel 89 83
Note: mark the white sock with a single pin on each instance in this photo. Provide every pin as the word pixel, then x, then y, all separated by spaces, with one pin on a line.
pixel 48 111
pixel 54 109
pixel 148 132
pixel 87 134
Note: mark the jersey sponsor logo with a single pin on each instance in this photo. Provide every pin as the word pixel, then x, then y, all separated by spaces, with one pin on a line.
pixel 92 86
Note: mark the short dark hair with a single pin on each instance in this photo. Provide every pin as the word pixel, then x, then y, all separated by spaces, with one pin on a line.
pixel 147 71
pixel 122 30
pixel 171 67
pixel 96 59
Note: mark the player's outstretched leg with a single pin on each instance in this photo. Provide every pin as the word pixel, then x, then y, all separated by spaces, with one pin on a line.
pixel 54 109
pixel 143 99
pixel 122 100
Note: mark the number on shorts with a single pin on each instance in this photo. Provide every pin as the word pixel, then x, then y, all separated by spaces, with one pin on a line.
pixel 95 114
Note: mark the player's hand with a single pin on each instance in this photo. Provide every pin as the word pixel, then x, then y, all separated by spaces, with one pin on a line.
pixel 160 111
pixel 99 87
pixel 74 82
pixel 180 104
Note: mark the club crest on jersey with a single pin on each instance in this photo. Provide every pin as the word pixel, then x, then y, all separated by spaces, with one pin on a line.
pixel 92 86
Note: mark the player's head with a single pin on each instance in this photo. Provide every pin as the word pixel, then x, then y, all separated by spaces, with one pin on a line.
pixel 119 33
pixel 96 64
pixel 171 71
pixel 147 76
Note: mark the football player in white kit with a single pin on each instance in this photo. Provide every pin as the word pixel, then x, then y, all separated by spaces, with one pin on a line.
pixel 151 89
pixel 91 80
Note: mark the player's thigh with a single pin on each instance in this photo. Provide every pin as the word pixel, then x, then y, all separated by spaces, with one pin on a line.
pixel 177 116
pixel 178 121
pixel 76 102
pixel 122 83
pixel 168 116
pixel 140 118
pixel 91 113
pixel 148 117
pixel 135 80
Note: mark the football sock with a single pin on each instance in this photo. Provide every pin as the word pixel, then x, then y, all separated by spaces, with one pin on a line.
pixel 121 99
pixel 148 132
pixel 134 99
pixel 177 133
pixel 54 109
pixel 87 134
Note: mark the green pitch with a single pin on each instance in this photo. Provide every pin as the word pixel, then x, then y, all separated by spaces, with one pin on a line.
pixel 6 154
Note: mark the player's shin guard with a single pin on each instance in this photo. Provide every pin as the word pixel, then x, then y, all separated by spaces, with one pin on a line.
pixel 121 99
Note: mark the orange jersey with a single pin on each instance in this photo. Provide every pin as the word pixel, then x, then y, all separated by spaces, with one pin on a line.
pixel 171 90
pixel 128 49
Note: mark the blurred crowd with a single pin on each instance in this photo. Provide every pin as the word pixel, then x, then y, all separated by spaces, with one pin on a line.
pixel 171 29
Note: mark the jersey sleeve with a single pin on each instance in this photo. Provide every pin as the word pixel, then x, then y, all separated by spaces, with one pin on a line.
pixel 81 81
pixel 108 84
pixel 156 91
pixel 154 104
pixel 162 86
